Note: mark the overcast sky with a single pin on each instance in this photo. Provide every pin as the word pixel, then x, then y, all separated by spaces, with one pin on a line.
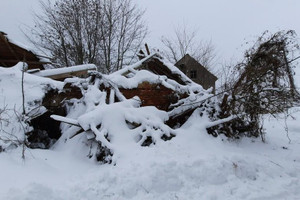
pixel 226 22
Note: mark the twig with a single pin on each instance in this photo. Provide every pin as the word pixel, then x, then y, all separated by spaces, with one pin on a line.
pixel 276 164
pixel 286 128
pixel 22 84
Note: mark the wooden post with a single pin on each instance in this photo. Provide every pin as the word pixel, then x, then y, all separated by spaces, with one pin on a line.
pixel 147 48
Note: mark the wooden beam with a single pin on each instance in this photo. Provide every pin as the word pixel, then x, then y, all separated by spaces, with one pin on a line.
pixel 65 120
pixel 28 62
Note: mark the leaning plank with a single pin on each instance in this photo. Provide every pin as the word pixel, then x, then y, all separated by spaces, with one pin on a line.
pixel 69 121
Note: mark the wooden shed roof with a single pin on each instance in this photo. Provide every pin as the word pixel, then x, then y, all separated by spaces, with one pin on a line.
pixel 12 53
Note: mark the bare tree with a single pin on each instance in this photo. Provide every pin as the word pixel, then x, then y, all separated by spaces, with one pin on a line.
pixel 68 31
pixel 122 32
pixel 106 33
pixel 186 42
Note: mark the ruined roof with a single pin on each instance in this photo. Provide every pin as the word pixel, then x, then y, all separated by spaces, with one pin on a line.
pixel 153 69
pixel 12 52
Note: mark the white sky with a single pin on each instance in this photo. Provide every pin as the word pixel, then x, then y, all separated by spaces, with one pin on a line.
pixel 226 22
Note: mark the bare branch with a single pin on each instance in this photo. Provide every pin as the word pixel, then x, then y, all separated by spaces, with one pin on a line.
pixel 185 42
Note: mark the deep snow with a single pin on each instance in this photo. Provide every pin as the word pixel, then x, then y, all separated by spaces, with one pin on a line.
pixel 193 165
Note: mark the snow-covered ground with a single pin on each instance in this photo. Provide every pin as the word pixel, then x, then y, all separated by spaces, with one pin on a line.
pixel 193 165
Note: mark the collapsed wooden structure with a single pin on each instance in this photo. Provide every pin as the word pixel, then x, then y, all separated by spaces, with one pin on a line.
pixel 145 103
pixel 151 83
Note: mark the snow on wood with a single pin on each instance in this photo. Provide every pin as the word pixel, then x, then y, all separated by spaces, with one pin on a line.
pixel 65 72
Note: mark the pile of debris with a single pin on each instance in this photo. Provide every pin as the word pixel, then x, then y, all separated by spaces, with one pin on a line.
pixel 139 105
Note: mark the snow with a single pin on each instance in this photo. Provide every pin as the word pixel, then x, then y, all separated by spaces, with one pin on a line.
pixel 192 165
pixel 64 119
